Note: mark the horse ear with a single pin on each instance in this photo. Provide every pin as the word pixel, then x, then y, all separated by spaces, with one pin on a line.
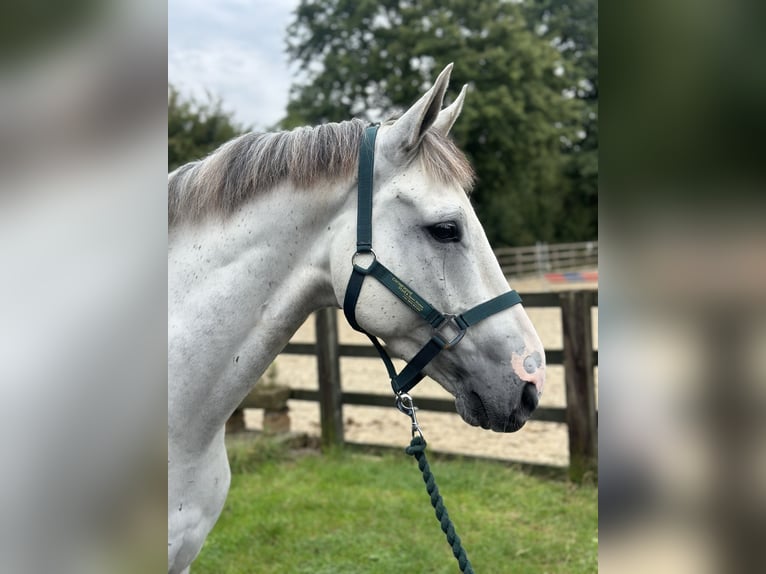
pixel 448 115
pixel 407 132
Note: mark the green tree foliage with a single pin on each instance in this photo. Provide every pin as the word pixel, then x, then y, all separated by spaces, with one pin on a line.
pixel 572 27
pixel 196 128
pixel 524 123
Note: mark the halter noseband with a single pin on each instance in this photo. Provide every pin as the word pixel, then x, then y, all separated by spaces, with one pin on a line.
pixel 447 329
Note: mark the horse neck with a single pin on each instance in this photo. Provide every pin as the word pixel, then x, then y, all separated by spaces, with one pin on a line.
pixel 285 240
pixel 239 289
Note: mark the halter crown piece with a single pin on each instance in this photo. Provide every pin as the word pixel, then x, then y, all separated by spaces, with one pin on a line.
pixel 448 329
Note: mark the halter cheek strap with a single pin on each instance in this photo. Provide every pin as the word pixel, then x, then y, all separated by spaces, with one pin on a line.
pixel 447 329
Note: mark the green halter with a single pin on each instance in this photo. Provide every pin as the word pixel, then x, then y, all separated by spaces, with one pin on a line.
pixel 448 329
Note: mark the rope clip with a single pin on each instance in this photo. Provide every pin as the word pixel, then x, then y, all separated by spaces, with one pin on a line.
pixel 405 404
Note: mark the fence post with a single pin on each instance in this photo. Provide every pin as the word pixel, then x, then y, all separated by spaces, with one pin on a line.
pixel 579 383
pixel 328 370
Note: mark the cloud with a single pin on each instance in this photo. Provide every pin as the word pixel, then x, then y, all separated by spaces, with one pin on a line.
pixel 233 49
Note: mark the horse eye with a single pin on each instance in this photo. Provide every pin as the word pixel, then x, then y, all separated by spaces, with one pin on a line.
pixel 445 232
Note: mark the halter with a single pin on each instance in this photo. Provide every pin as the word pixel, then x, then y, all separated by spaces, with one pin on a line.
pixel 447 329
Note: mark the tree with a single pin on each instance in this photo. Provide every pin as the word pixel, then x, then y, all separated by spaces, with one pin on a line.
pixel 572 27
pixel 520 124
pixel 196 128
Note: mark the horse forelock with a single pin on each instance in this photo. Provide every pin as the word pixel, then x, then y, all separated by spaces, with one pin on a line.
pixel 445 162
pixel 255 163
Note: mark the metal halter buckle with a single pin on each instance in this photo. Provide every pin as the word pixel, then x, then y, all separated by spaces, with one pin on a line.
pixel 451 322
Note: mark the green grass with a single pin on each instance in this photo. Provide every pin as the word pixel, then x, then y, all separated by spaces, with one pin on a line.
pixel 356 513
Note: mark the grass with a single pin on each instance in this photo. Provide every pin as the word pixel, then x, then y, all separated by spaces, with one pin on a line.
pixel 357 513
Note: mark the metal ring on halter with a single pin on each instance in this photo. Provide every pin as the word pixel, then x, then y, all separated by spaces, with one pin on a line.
pixel 358 253
pixel 451 321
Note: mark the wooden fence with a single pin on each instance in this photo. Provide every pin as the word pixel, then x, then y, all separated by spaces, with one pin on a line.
pixel 545 258
pixel 577 356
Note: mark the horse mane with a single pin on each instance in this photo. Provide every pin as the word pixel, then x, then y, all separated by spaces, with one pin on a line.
pixel 255 163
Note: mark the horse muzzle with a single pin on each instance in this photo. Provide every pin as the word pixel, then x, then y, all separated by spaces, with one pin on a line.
pixel 491 415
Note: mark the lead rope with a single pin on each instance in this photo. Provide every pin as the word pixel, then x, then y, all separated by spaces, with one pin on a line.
pixel 417 449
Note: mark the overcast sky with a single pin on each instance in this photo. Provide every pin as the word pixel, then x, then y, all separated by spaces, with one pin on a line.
pixel 235 49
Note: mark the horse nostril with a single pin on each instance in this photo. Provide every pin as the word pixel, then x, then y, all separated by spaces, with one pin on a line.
pixel 531 362
pixel 529 398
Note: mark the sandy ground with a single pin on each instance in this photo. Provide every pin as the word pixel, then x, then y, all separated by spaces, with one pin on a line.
pixel 537 442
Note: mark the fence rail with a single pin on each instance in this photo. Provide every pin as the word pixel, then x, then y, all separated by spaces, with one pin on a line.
pixel 577 356
pixel 545 258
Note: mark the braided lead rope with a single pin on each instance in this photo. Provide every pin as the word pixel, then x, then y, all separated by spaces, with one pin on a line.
pixel 417 449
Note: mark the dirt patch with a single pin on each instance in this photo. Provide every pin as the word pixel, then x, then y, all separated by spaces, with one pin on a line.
pixel 537 442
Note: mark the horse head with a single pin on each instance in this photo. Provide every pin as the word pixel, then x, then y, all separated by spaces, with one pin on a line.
pixel 426 231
